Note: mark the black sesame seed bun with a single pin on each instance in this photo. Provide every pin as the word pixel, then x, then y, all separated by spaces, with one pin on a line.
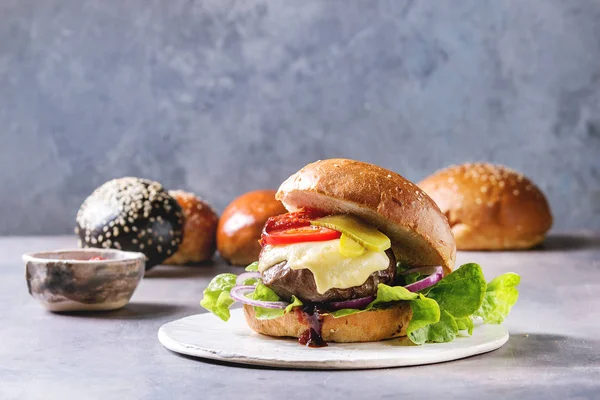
pixel 132 214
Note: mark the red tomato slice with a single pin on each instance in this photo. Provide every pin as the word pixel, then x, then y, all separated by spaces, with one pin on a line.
pixel 300 234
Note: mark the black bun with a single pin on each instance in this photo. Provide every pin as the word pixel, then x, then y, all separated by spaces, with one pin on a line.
pixel 132 214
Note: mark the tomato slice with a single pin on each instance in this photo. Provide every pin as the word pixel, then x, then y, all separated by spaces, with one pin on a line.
pixel 301 234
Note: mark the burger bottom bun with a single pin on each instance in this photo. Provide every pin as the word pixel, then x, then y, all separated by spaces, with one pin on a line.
pixel 367 326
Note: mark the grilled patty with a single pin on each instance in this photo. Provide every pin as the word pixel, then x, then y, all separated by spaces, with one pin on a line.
pixel 301 283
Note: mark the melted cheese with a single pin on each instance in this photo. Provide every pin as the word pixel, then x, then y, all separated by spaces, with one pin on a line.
pixel 323 259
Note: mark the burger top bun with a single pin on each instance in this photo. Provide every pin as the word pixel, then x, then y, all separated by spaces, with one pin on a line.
pixel 490 207
pixel 419 232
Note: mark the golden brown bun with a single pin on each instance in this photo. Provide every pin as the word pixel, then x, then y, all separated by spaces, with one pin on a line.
pixel 241 225
pixel 490 207
pixel 368 326
pixel 419 232
pixel 199 230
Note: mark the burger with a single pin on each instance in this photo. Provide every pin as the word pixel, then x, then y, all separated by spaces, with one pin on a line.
pixel 362 255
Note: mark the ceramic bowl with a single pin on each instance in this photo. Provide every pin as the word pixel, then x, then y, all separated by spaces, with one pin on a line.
pixel 67 280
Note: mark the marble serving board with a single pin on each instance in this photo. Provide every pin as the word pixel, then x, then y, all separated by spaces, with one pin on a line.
pixel 206 336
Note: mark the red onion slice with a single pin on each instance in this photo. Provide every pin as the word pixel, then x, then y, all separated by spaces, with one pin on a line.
pixel 238 293
pixel 425 282
pixel 423 270
pixel 245 276
pixel 354 303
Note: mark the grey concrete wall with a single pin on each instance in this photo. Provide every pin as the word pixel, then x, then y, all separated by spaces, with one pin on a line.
pixel 221 97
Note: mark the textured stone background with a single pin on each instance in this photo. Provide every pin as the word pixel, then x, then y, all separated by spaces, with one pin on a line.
pixel 221 97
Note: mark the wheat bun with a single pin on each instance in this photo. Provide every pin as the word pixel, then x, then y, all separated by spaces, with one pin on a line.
pixel 241 225
pixel 419 232
pixel 199 230
pixel 367 326
pixel 490 207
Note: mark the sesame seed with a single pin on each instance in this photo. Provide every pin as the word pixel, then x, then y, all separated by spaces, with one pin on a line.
pixel 478 200
pixel 451 179
pixel 516 192
pixel 484 189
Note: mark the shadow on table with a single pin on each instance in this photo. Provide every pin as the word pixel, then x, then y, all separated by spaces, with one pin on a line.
pixel 535 350
pixel 203 270
pixel 571 242
pixel 134 311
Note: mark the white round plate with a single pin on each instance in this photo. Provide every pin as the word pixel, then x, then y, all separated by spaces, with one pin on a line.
pixel 206 336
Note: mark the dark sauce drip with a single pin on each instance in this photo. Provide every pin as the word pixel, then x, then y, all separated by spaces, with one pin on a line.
pixel 312 336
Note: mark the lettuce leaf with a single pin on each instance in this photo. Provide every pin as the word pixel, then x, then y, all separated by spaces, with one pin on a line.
pixel 500 296
pixel 465 324
pixel 252 267
pixel 216 297
pixel 442 331
pixel 263 293
pixel 460 293
pixel 385 294
pixel 424 313
pixel 295 303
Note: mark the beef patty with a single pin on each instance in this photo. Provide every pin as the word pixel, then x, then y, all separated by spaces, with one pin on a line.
pixel 301 283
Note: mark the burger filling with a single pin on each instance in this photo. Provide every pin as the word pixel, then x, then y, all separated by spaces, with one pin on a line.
pixel 317 272
pixel 309 259
pixel 314 265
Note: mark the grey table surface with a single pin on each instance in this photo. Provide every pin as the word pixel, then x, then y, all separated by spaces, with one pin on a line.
pixel 553 351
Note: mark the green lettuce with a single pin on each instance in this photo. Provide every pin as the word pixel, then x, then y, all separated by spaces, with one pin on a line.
pixel 425 312
pixel 501 295
pixel 461 292
pixel 263 293
pixel 217 300
pixel 216 296
pixel 458 296
pixel 385 294
pixel 439 313
pixel 465 324
pixel 252 267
